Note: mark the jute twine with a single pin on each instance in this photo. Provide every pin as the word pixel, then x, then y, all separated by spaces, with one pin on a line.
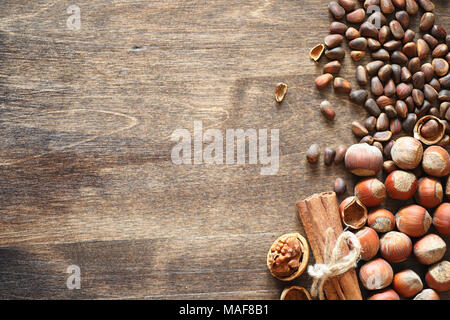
pixel 334 265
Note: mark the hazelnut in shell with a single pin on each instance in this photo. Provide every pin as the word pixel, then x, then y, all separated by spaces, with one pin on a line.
pixel 407 153
pixel 436 161
pixel 370 243
pixel 376 274
pixel 395 246
pixel 441 219
pixel 401 185
pixel 427 294
pixel 407 283
pixel 363 160
pixel 430 249
pixel 413 220
pixel 370 191
pixel 353 212
pixel 288 256
pixel 381 220
pixel 438 276
pixel 429 192
pixel 387 294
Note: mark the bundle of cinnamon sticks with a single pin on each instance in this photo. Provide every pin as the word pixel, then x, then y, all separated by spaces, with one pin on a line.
pixel 318 213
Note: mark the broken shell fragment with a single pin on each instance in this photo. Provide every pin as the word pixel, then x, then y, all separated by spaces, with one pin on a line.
pixel 422 134
pixel 317 52
pixel 280 91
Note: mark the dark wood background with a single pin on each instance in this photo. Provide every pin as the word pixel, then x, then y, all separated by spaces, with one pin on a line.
pixel 86 116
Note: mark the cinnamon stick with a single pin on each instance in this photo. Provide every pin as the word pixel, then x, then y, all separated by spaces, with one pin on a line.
pixel 318 213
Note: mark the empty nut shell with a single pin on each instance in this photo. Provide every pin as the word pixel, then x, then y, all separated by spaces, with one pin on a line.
pixel 413 220
pixel 395 246
pixel 295 293
pixel 428 136
pixel 317 52
pixel 353 213
pixel 280 91
pixel 288 256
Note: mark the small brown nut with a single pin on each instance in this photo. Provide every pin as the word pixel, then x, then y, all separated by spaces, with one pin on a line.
pixel 337 53
pixel 323 80
pixel 358 44
pixel 427 294
pixel 348 5
pixel 363 160
pixel 438 276
pixel 340 154
pixel 397 29
pixel 427 21
pixel 333 40
pixel 341 85
pixel 407 283
pixel 382 122
pixel 280 91
pixel 386 6
pixel 395 246
pixel 440 66
pixel 423 50
pixel 352 33
pixel 441 219
pixel 369 30
pixel 358 96
pixel 370 243
pixel 429 192
pixel 317 52
pixel 295 293
pixel 426 5
pixel 356 16
pixel 313 153
pixel 339 186
pixel 370 191
pixel 337 27
pixel 389 166
pixel 430 249
pixel 288 256
pixel 328 156
pixel 413 220
pixel 332 67
pixel 381 220
pixel 353 212
pixel 327 110
pixel 357 55
pixel 376 274
pixel 412 7
pixel 336 10
pixel 361 75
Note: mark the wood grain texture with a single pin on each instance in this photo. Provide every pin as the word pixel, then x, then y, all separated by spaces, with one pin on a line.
pixel 86 117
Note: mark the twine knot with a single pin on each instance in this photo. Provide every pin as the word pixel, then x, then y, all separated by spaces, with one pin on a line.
pixel 334 265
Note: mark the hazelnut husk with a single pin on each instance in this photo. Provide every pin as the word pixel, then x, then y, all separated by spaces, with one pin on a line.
pixel 407 283
pixel 407 153
pixel 438 276
pixel 288 256
pixel 295 293
pixel 353 212
pixel 370 243
pixel 430 249
pixel 401 185
pixel 441 219
pixel 429 192
pixel 370 191
pixel 395 246
pixel 363 160
pixel 381 220
pixel 413 220
pixel 376 274
pixel 436 161
pixel 429 130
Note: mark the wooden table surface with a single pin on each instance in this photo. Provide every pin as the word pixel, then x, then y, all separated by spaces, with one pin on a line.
pixel 86 118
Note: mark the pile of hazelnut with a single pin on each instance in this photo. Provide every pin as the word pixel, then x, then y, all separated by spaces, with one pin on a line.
pixel 415 177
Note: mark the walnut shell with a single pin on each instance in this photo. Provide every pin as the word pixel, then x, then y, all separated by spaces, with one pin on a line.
pixel 288 256
pixel 429 140
pixel 295 293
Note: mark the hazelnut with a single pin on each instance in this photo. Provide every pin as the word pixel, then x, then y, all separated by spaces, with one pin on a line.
pixel 407 283
pixel 430 249
pixel 438 276
pixel 387 294
pixel 288 256
pixel 427 294
pixel 363 160
pixel 429 192
pixel 370 243
pixel 395 246
pixel 370 191
pixel 407 152
pixel 441 219
pixel 381 220
pixel 376 274
pixel 413 220
pixel 295 293
pixel 401 185
pixel 353 212
pixel 436 161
